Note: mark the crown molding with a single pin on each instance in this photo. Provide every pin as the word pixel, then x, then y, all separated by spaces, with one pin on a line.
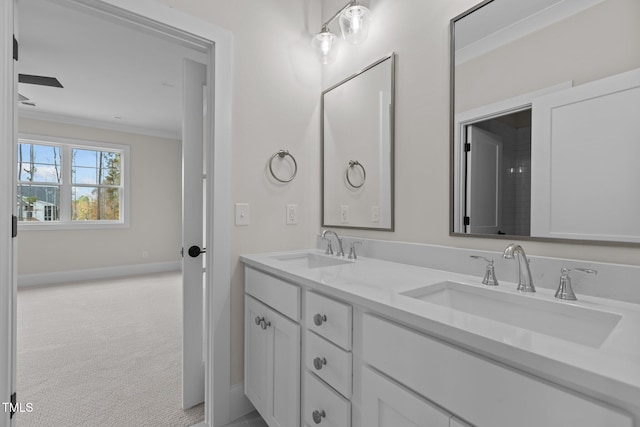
pixel 99 124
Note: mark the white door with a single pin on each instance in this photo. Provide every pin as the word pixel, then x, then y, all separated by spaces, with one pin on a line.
pixel 8 120
pixel 386 404
pixel 484 164
pixel 193 175
pixel 584 161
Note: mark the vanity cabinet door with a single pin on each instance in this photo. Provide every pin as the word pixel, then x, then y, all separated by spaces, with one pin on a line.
pixel 283 372
pixel 272 364
pixel 386 404
pixel 255 354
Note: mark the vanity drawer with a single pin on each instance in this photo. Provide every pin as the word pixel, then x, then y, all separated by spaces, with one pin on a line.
pixel 329 362
pixel 325 404
pixel 479 390
pixel 329 318
pixel 276 293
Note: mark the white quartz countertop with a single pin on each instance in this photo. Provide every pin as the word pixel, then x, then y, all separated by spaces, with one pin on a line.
pixel 610 370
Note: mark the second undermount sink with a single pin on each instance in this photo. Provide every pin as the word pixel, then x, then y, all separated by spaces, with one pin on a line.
pixel 568 322
pixel 311 260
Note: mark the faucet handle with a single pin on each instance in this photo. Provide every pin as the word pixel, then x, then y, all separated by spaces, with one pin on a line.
pixel 352 250
pixel 329 250
pixel 585 270
pixel 490 273
pixel 564 287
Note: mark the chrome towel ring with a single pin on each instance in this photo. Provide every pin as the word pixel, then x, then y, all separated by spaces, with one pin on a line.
pixel 282 154
pixel 353 164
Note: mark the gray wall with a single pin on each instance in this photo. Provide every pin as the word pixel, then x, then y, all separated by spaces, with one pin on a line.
pixel 155 210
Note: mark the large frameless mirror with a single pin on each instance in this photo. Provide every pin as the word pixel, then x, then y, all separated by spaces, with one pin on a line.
pixel 357 149
pixel 545 100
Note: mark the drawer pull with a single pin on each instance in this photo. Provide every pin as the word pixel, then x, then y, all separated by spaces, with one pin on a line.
pixel 319 362
pixel 318 416
pixel 264 324
pixel 318 319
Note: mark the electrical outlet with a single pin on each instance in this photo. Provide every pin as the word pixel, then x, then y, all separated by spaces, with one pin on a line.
pixel 375 213
pixel 242 213
pixel 292 214
pixel 344 214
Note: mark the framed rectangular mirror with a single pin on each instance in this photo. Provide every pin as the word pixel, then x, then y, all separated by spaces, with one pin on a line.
pixel 545 96
pixel 357 149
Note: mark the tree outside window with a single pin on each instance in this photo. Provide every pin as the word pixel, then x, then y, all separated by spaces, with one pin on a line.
pixel 66 183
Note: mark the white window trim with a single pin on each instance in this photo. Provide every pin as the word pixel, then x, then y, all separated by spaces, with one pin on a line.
pixel 65 199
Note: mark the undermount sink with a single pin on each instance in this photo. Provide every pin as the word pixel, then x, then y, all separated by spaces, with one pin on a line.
pixel 311 260
pixel 568 322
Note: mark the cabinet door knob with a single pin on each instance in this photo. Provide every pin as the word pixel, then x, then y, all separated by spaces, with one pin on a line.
pixel 318 416
pixel 258 320
pixel 318 319
pixel 264 324
pixel 319 362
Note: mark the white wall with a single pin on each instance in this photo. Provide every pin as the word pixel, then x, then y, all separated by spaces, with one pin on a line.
pixel 155 210
pixel 581 54
pixel 418 31
pixel 276 96
pixel 276 101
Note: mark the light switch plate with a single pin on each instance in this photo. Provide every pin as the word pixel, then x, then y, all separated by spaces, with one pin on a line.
pixel 344 214
pixel 242 213
pixel 292 214
pixel 375 213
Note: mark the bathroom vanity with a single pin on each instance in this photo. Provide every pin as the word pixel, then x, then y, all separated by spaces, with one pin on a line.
pixel 335 342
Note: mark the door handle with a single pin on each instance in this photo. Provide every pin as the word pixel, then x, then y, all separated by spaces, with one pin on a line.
pixel 194 251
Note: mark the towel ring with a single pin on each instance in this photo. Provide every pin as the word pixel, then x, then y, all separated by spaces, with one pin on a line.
pixel 352 164
pixel 282 154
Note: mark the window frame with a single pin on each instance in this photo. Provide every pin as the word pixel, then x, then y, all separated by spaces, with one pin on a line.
pixel 66 186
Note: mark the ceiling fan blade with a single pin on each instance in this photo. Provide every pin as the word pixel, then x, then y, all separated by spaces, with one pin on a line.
pixel 39 80
pixel 22 98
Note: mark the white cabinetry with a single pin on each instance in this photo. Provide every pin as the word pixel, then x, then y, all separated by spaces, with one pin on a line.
pixel 479 390
pixel 272 354
pixel 328 359
pixel 361 370
pixel 324 406
pixel 386 404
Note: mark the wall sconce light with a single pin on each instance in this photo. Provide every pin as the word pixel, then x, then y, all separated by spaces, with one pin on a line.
pixel 354 26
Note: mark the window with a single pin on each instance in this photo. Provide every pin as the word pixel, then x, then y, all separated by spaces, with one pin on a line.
pixel 70 183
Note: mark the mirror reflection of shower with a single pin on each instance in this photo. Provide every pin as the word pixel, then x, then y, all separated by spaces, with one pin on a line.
pixel 498 175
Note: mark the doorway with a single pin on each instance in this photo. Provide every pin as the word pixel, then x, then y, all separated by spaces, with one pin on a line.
pixel 159 19
pixel 498 175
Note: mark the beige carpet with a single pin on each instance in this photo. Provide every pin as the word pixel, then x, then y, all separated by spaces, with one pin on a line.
pixel 103 353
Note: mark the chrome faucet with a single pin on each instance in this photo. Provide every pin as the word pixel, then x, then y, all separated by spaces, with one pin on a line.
pixel 489 273
pixel 340 249
pixel 564 288
pixel 525 282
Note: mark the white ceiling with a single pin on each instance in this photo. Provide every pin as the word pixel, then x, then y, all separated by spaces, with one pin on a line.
pixel 114 75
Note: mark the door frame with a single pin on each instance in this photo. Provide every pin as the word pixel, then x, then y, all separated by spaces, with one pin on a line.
pixel 7 209
pixel 219 43
pixel 478 114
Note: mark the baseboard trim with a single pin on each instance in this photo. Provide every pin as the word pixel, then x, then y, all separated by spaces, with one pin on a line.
pixel 26 280
pixel 239 405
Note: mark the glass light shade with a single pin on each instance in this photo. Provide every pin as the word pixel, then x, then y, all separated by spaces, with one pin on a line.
pixel 323 43
pixel 354 24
